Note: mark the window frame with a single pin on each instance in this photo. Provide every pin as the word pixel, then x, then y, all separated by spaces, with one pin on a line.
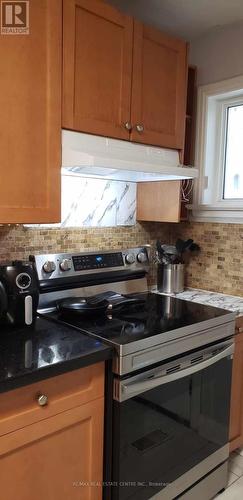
pixel 213 101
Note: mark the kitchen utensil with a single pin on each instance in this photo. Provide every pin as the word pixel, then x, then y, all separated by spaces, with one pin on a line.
pixel 187 245
pixel 82 306
pixel 169 249
pixel 158 247
pixel 194 247
pixel 180 246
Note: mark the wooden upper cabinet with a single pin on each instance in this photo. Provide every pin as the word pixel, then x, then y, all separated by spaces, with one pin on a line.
pixel 159 88
pixel 159 201
pixel 30 118
pixel 97 68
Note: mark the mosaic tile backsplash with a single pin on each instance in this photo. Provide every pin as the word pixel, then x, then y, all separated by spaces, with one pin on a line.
pixel 218 266
pixel 18 242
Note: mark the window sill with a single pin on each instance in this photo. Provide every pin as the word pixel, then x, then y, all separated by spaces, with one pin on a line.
pixel 210 213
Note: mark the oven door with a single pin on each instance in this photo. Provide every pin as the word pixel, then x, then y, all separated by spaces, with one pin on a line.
pixel 168 420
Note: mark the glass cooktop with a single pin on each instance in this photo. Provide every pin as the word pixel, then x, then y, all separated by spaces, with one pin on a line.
pixel 155 314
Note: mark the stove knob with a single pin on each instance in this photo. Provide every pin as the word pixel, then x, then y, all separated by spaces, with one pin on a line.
pixel 49 266
pixel 142 257
pixel 130 258
pixel 65 265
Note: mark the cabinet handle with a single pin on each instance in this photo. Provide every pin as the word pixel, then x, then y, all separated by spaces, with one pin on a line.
pixel 139 128
pixel 128 126
pixel 42 400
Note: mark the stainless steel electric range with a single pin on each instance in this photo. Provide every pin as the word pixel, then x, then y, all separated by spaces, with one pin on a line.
pixel 171 372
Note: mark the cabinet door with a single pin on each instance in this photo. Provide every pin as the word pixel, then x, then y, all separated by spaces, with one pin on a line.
pixel 19 408
pixel 159 88
pixel 58 458
pixel 30 118
pixel 97 68
pixel 236 409
pixel 159 201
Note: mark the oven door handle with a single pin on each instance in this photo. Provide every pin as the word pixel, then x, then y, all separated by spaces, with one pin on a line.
pixel 128 389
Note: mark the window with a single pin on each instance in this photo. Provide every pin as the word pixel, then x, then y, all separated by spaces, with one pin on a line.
pixel 233 157
pixel 219 152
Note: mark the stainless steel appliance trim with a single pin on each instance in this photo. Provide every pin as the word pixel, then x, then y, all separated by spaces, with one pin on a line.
pixel 170 372
pixel 210 485
pixel 195 474
pixel 172 335
pixel 47 301
pixel 40 261
pixel 143 358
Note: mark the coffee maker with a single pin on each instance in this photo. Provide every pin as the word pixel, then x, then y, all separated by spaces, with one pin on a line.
pixel 19 293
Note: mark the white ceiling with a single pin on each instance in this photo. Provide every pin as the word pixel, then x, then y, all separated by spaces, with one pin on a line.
pixel 188 19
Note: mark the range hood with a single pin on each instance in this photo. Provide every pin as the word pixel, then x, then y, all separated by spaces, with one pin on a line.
pixel 100 157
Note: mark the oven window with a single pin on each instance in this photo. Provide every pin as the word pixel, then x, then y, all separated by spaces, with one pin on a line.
pixel 164 432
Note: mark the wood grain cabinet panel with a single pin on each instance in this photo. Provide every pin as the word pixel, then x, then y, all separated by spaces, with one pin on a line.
pixel 236 410
pixel 30 118
pixel 55 451
pixel 19 408
pixel 97 68
pixel 55 459
pixel 159 201
pixel 159 88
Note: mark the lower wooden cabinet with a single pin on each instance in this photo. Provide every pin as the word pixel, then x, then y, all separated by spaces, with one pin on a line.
pixel 58 457
pixel 236 410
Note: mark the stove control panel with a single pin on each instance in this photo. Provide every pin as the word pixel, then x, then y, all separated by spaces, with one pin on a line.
pixel 97 261
pixel 54 266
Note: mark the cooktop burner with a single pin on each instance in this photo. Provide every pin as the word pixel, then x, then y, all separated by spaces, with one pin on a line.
pixel 149 315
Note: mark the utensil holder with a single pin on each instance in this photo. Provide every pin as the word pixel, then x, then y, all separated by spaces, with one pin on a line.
pixel 170 278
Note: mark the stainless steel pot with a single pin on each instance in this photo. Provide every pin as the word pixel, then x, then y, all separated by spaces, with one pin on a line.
pixel 170 278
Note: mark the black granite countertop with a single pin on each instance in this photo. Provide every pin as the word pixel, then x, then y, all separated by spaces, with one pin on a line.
pixel 44 350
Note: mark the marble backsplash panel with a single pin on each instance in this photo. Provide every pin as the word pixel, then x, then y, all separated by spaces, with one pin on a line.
pixel 88 202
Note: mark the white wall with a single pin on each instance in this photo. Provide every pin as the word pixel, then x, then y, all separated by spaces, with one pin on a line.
pixel 218 54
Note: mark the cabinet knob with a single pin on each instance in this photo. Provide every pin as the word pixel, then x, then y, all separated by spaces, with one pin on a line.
pixel 139 128
pixel 128 126
pixel 42 400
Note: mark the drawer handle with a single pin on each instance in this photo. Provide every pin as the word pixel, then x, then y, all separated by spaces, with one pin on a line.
pixel 42 400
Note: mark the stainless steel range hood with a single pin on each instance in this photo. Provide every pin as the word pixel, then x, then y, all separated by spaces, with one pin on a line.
pixel 100 157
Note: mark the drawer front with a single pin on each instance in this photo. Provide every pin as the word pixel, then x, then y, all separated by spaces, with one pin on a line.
pixel 48 458
pixel 43 399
